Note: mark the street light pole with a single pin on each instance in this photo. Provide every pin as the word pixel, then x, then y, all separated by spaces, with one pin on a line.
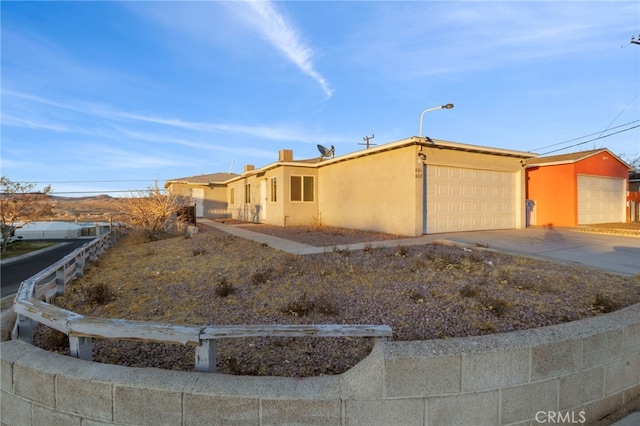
pixel 423 159
pixel 447 106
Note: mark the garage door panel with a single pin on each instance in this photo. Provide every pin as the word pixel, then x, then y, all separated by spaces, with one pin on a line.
pixel 468 199
pixel 600 199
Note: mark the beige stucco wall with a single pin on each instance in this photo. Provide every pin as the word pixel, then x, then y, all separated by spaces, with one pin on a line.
pixel 215 198
pixel 297 212
pixel 283 212
pixel 383 191
pixel 378 192
pixel 378 189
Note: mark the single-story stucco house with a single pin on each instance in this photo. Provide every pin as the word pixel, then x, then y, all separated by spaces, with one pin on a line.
pixel 578 188
pixel 409 187
pixel 208 193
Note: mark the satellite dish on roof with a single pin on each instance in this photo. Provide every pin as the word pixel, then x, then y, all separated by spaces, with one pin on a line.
pixel 326 152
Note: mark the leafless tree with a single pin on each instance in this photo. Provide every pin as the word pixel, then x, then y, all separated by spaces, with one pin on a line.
pixel 632 160
pixel 153 211
pixel 21 204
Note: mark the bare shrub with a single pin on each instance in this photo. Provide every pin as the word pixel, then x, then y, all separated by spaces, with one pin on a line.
pixel 153 211
pixel 198 251
pixel 261 277
pixel 342 252
pixel 469 291
pixel 484 326
pixel 401 251
pixel 99 293
pixel 324 305
pixel 496 305
pixel 299 307
pixel 224 288
pixel 55 338
pixel 417 296
pixel 604 304
pixel 477 257
pixel 20 204
pixel 368 248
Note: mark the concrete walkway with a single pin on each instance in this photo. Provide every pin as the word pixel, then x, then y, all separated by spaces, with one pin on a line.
pixel 613 253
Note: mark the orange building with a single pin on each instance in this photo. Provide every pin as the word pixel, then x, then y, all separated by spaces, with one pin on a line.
pixel 580 188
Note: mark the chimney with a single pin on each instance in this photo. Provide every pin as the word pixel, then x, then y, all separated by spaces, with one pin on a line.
pixel 249 167
pixel 285 155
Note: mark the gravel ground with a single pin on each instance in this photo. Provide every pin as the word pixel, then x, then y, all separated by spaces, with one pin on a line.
pixel 422 292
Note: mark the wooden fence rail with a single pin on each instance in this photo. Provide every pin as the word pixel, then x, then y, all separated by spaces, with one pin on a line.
pixel 31 306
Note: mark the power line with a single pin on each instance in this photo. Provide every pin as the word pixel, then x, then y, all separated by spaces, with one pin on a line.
pixel 599 133
pixel 94 181
pixel 95 192
pixel 591 140
pixel 620 113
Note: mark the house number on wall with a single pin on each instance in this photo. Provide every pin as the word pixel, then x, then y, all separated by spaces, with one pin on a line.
pixel 418 173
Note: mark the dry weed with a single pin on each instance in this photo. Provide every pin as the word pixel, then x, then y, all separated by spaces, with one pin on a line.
pixel 431 291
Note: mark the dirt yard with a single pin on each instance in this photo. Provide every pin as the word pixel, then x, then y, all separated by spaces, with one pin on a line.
pixel 423 292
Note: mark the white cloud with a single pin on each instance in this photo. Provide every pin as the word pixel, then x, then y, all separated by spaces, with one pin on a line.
pixel 454 37
pixel 276 132
pixel 263 16
pixel 9 120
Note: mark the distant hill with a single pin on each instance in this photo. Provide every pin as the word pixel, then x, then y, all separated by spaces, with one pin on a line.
pixel 83 209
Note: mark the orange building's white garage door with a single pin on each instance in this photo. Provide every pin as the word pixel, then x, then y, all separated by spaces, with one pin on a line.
pixel 601 199
pixel 468 199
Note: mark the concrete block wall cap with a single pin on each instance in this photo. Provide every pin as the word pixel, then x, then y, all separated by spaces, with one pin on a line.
pixel 13 350
pixel 579 329
pixel 157 379
pixel 226 385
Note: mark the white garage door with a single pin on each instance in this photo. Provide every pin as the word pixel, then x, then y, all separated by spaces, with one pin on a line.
pixel 601 199
pixel 468 199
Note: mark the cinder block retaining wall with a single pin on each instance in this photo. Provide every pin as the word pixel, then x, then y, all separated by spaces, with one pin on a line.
pixel 585 369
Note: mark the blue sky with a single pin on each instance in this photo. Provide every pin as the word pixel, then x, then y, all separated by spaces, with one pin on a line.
pixel 110 96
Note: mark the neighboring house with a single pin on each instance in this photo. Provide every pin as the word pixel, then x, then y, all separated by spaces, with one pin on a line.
pixel 634 182
pixel 207 192
pixel 579 188
pixel 410 187
pixel 634 197
pixel 49 230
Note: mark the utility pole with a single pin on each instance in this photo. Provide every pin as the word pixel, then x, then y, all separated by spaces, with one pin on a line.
pixel 366 139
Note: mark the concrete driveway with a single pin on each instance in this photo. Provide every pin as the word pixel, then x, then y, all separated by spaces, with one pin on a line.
pixel 615 253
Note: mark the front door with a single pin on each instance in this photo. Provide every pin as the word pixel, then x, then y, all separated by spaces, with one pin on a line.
pixel 197 197
pixel 263 201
